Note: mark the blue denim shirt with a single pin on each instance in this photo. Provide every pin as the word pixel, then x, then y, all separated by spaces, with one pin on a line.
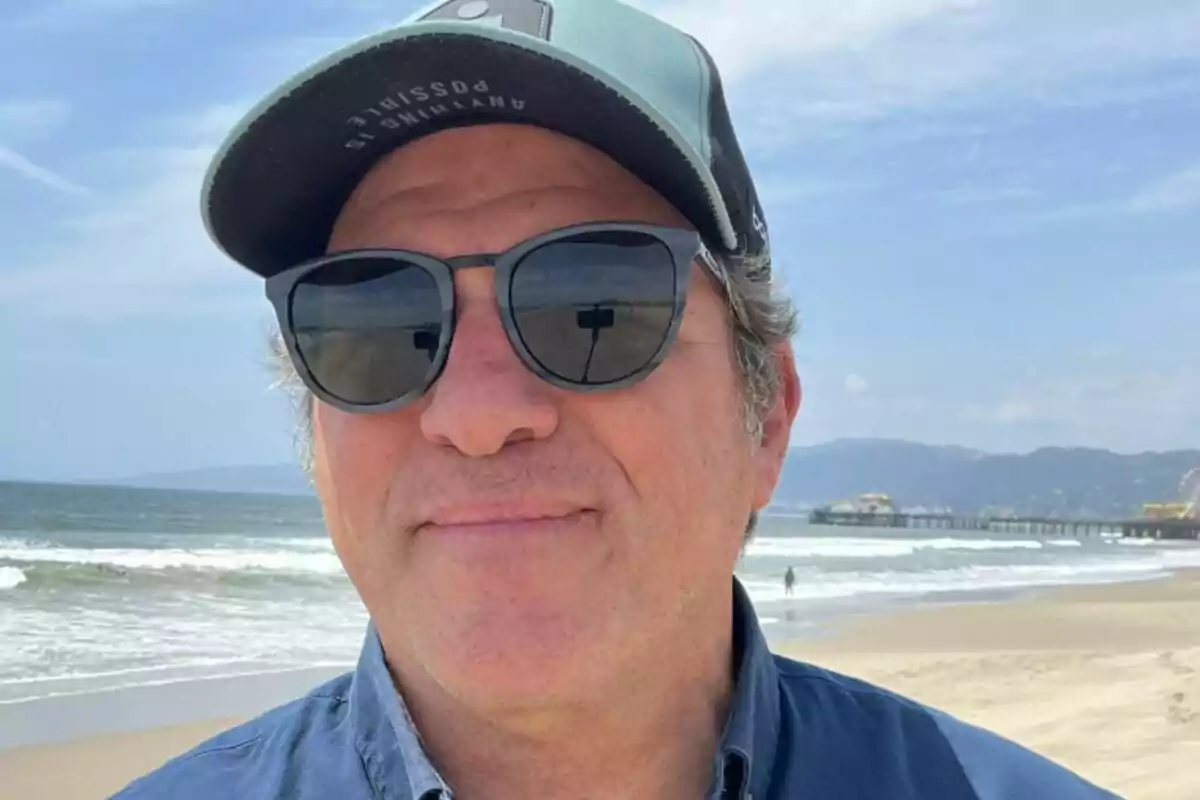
pixel 795 731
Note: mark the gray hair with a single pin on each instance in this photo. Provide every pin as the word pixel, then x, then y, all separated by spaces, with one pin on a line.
pixel 761 319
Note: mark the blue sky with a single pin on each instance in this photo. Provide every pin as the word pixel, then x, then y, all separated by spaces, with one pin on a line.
pixel 988 212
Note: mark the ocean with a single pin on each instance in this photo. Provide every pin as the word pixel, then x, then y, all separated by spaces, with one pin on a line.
pixel 109 588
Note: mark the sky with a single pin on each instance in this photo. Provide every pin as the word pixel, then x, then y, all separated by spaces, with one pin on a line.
pixel 986 212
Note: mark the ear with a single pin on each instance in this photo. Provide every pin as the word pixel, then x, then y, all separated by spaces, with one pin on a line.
pixel 777 428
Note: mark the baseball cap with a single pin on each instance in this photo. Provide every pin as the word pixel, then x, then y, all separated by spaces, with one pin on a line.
pixel 639 90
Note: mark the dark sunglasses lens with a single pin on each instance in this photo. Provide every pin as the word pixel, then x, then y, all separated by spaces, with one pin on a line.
pixel 595 308
pixel 368 328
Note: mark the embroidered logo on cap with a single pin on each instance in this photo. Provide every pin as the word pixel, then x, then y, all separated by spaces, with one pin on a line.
pixel 531 17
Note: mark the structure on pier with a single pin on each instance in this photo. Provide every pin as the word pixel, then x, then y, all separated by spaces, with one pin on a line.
pixel 1168 510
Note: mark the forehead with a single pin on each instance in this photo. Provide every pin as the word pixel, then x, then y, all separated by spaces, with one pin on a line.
pixel 485 188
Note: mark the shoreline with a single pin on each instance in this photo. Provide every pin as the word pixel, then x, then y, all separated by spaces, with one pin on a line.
pixel 1048 667
pixel 800 621
pixel 784 622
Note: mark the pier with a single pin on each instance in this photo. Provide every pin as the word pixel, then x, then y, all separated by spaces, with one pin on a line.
pixel 1165 529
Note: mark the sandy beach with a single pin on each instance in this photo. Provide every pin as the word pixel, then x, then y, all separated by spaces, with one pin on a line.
pixel 1104 679
pixel 95 767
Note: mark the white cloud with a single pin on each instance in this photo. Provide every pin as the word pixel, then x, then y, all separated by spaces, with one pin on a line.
pixel 279 59
pixel 1186 278
pixel 15 162
pixel 856 384
pixel 115 6
pixel 777 193
pixel 23 119
pixel 1171 193
pixel 27 119
pixel 203 126
pixel 72 13
pixel 143 252
pixel 984 195
pixel 1158 404
pixel 1128 94
pixel 1013 410
pixel 746 37
pixel 796 69
pixel 359 6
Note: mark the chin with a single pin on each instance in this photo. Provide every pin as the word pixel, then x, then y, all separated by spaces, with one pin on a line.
pixel 515 615
pixel 510 653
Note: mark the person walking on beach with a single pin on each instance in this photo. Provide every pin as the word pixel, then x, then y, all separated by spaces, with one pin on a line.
pixel 789 581
pixel 518 263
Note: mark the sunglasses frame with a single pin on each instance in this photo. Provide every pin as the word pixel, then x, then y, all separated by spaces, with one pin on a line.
pixel 685 247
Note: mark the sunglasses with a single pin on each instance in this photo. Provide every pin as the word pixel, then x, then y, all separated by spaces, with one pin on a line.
pixel 586 308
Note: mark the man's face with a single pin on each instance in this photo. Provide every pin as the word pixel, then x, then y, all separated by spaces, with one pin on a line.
pixel 514 542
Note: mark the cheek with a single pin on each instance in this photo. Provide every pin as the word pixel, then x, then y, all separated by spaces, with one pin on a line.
pixel 679 437
pixel 354 459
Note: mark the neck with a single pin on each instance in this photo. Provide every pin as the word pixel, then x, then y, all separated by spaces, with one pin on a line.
pixel 652 733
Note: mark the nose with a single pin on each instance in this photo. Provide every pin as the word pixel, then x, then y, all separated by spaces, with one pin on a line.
pixel 485 397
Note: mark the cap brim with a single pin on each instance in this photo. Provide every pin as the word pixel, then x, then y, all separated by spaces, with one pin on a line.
pixel 276 186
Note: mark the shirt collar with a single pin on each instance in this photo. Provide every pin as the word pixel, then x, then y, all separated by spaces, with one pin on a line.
pixel 745 758
pixel 391 749
pixel 385 735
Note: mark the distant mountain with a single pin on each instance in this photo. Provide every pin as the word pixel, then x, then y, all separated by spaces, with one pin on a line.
pixel 1049 481
pixel 850 467
pixel 266 479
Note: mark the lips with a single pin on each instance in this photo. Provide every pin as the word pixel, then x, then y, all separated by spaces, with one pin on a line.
pixel 502 513
pixel 510 522
pixel 514 527
pixel 511 545
pixel 507 518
